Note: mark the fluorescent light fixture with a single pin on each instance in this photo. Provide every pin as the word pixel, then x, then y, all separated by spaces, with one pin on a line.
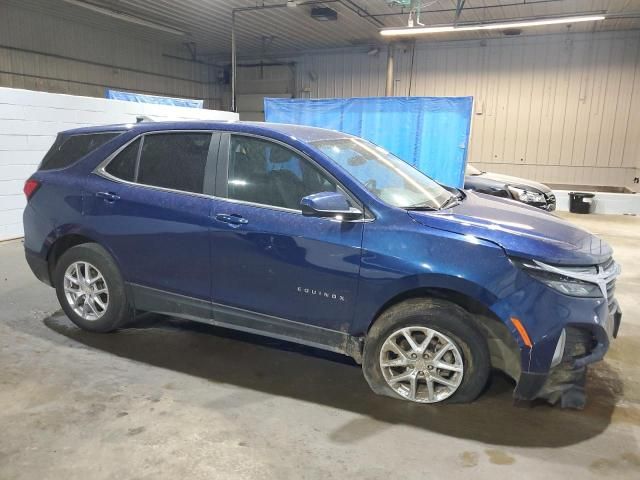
pixel 125 17
pixel 489 26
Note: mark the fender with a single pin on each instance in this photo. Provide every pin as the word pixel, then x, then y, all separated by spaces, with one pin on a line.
pixel 73 230
pixel 449 286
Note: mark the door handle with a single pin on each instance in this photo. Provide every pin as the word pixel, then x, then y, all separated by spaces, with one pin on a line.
pixel 108 196
pixel 233 219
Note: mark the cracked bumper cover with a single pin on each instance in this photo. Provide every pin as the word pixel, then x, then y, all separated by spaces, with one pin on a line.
pixel 565 382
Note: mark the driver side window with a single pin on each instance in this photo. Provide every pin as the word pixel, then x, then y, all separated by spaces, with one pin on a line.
pixel 267 173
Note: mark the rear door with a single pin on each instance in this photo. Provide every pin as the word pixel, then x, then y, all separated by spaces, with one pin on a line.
pixel 266 256
pixel 150 206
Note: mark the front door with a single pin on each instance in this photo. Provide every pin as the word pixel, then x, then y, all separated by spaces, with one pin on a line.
pixel 266 256
pixel 148 207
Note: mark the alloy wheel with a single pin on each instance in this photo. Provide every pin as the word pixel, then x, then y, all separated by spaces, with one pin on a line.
pixel 86 290
pixel 421 364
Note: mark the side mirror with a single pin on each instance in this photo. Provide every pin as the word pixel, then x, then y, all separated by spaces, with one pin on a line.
pixel 329 204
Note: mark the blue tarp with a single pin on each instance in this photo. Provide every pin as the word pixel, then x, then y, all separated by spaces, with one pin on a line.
pixel 430 133
pixel 141 98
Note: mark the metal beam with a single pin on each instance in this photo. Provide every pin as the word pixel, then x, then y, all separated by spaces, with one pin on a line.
pixel 361 12
pixel 351 5
pixel 404 12
pixel 459 7
pixel 234 62
pixel 389 86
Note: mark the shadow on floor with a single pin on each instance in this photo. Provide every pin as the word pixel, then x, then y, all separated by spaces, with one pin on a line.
pixel 285 369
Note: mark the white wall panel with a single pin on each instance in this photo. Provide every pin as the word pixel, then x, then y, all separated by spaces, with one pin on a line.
pixel 556 108
pixel 32 121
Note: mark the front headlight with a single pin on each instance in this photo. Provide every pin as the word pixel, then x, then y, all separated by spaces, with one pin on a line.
pixel 527 196
pixel 559 282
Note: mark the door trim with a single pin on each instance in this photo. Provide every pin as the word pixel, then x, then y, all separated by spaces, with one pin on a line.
pixel 167 303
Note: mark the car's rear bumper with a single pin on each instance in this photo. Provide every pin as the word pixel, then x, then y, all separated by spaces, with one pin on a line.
pixel 39 266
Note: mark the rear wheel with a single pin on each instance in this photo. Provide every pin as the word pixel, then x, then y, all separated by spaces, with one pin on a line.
pixel 90 289
pixel 426 351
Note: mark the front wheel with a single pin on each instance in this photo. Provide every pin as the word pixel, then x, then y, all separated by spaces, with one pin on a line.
pixel 426 351
pixel 90 289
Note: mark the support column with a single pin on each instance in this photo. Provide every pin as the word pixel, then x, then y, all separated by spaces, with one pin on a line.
pixel 389 88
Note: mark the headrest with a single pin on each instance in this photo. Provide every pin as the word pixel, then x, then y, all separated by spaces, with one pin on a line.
pixel 280 155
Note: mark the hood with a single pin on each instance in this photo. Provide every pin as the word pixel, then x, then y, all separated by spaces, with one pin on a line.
pixel 515 181
pixel 521 230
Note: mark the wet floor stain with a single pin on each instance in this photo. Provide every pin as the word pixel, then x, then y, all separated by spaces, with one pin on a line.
pixel 499 457
pixel 135 431
pixel 468 459
pixel 626 462
pixel 358 429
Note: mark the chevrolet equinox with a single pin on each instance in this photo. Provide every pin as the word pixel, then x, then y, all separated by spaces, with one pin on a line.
pixel 322 238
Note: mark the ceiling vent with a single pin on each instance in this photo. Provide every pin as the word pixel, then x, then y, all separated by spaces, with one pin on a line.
pixel 324 14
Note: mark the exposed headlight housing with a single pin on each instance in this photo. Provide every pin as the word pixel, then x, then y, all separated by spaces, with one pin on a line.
pixel 527 196
pixel 573 281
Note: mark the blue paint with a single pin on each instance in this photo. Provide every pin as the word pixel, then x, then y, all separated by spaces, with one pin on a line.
pixel 176 242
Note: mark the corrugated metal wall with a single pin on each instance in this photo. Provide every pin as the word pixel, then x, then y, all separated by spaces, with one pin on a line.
pixel 556 108
pixel 47 53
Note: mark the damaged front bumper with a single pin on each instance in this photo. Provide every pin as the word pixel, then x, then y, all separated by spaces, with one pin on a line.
pixel 565 383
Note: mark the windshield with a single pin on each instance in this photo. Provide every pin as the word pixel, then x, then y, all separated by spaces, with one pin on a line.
pixel 386 176
pixel 471 170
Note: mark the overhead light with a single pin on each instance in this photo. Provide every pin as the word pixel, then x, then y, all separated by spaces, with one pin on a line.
pixel 125 17
pixel 489 26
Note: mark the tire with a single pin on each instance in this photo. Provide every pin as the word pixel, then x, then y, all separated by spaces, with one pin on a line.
pixel 117 309
pixel 451 325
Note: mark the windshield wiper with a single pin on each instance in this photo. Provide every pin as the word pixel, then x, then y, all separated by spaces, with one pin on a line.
pixel 451 201
pixel 421 207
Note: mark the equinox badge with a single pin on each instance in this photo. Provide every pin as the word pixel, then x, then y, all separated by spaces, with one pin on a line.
pixel 320 293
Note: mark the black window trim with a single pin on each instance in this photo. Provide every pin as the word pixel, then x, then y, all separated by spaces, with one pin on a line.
pixel 210 166
pixel 222 175
pixel 69 136
pixel 216 170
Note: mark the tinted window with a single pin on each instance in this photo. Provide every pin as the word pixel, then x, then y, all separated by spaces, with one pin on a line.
pixel 124 164
pixel 174 160
pixel 69 149
pixel 264 172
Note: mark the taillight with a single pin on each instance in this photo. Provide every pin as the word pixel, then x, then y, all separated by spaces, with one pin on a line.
pixel 30 187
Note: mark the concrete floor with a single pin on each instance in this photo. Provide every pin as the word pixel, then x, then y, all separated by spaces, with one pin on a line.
pixel 173 399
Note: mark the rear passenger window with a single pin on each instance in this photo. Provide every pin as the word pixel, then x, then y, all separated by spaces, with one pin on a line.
pixel 174 160
pixel 69 149
pixel 123 166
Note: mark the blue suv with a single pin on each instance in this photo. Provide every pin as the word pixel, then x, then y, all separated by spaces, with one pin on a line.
pixel 325 239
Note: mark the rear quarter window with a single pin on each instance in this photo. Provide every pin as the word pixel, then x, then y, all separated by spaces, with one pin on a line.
pixel 123 166
pixel 68 149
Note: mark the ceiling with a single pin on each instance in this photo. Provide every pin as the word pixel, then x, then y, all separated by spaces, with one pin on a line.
pixel 267 31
